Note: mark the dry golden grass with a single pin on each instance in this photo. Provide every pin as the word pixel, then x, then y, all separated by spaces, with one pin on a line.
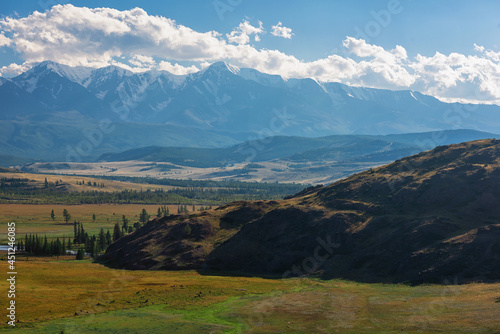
pixel 49 289
pixel 33 218
pixel 70 182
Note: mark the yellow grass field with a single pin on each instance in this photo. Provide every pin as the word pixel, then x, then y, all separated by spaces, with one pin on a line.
pixel 70 182
pixel 54 296
pixel 34 218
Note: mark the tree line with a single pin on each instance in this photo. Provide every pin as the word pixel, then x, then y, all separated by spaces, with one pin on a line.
pixel 186 192
pixel 82 241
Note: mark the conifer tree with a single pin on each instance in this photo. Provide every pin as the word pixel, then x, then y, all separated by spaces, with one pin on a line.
pixel 125 224
pixel 144 216
pixel 66 215
pixel 116 232
pixel 79 254
pixel 45 248
pixel 108 238
pixel 76 231
pixel 102 240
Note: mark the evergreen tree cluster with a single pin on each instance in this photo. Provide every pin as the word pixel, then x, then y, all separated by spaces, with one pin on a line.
pixel 36 245
pixel 163 211
pixel 93 244
pixel 182 209
pixel 12 182
pixel 90 184
pixel 85 243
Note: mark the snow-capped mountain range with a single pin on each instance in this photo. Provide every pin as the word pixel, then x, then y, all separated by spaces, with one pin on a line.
pixel 225 98
pixel 223 103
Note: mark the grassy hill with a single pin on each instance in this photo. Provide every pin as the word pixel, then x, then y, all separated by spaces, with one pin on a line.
pixel 423 218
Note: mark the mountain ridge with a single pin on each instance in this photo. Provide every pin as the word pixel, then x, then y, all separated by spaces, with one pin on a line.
pixel 297 149
pixel 231 104
pixel 324 107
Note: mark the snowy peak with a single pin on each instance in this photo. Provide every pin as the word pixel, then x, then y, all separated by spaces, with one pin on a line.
pixel 29 80
pixel 262 78
pixel 76 74
pixel 219 70
pixel 110 71
pixel 224 70
pixel 106 74
pixel 222 66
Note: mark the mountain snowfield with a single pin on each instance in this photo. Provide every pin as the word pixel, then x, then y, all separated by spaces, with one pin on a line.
pixel 218 106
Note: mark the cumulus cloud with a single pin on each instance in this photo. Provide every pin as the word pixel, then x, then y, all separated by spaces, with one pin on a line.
pixel 177 69
pixel 457 77
pixel 280 31
pixel 93 37
pixel 142 62
pixel 15 69
pixel 138 41
pixel 4 41
pixel 382 67
pixel 241 35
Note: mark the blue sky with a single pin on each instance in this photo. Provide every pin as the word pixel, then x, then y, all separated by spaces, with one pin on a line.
pixel 449 49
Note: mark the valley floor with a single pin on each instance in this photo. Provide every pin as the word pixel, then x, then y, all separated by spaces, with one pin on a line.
pixel 269 171
pixel 61 295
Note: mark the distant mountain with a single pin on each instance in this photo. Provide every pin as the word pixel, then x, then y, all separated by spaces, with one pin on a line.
pixel 230 103
pixel 70 137
pixel 430 217
pixel 302 149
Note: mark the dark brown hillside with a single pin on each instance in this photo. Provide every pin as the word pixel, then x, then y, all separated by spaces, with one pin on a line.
pixel 182 241
pixel 428 217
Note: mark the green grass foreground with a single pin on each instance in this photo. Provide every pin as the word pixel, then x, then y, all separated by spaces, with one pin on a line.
pixel 67 296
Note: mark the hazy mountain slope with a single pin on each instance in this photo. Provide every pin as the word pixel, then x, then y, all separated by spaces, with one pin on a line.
pixel 55 89
pixel 423 218
pixel 58 140
pixel 17 103
pixel 301 149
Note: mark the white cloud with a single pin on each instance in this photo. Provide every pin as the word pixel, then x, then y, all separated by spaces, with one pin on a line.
pixel 177 69
pixel 142 62
pixel 137 41
pixel 93 37
pixel 241 35
pixel 457 77
pixel 478 48
pixel 280 31
pixel 4 41
pixel 15 69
